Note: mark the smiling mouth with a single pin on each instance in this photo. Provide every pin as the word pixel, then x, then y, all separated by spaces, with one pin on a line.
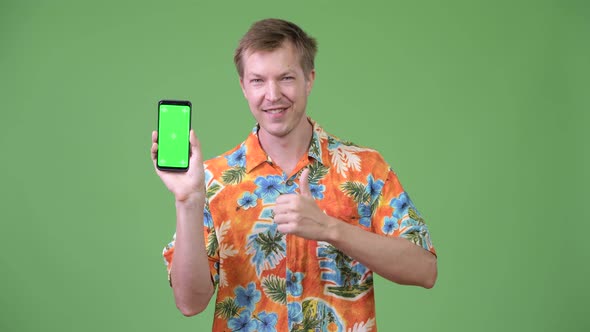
pixel 275 110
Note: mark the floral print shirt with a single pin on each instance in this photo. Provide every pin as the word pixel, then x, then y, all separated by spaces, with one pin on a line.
pixel 269 281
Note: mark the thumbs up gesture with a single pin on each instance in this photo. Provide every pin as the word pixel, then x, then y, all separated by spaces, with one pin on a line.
pixel 299 214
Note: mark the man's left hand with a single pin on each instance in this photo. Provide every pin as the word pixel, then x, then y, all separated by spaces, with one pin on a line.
pixel 298 214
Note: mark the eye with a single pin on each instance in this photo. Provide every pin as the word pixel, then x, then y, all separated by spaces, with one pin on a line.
pixel 288 78
pixel 256 80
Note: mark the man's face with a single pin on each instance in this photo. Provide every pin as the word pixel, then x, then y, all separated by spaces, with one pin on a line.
pixel 276 89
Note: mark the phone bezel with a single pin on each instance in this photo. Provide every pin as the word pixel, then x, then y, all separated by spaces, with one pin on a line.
pixel 181 103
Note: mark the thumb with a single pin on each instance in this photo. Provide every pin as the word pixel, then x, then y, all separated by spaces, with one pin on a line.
pixel 304 183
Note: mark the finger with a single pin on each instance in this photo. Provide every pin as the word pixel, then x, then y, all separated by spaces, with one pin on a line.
pixel 285 228
pixel 283 218
pixel 279 218
pixel 279 209
pixel 284 199
pixel 154 151
pixel 155 156
pixel 304 183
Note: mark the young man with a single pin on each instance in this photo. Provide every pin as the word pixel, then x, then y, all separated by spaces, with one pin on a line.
pixel 295 219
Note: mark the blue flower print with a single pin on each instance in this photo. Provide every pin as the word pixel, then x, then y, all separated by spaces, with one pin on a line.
pixel 400 204
pixel 267 322
pixel 266 214
pixel 374 187
pixel 390 225
pixel 247 200
pixel 365 214
pixel 243 323
pixel 269 188
pixel 294 286
pixel 247 297
pixel 317 190
pixel 295 312
pixel 237 158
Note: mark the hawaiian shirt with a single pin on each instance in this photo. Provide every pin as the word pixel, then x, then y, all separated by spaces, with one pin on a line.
pixel 269 281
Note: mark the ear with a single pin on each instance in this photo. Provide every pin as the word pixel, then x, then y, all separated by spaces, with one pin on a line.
pixel 309 81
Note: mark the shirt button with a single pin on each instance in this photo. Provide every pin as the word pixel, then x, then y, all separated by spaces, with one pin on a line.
pixel 289 182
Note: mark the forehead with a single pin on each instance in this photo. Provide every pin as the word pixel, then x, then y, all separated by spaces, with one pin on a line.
pixel 282 59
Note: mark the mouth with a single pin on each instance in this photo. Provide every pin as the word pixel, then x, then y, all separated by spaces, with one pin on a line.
pixel 275 110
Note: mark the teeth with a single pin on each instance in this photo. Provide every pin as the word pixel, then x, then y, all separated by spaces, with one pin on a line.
pixel 275 111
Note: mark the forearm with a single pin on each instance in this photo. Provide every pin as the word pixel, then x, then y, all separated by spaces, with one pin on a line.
pixel 191 279
pixel 395 259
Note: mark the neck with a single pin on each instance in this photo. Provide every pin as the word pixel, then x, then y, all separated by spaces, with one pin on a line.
pixel 287 150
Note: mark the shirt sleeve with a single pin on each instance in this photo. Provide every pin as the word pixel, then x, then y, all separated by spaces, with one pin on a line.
pixel 211 244
pixel 396 215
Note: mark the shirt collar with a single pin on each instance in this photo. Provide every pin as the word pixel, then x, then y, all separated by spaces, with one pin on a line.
pixel 255 155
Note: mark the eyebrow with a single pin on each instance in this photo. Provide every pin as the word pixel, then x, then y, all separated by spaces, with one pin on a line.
pixel 288 72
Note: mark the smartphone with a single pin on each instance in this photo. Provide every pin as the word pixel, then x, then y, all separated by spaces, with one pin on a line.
pixel 174 125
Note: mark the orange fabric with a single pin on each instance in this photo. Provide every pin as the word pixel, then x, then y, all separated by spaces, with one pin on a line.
pixel 268 281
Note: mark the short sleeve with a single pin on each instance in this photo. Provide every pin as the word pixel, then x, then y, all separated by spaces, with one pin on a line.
pixel 211 244
pixel 396 215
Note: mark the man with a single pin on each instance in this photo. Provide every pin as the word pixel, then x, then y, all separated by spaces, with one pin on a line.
pixel 295 219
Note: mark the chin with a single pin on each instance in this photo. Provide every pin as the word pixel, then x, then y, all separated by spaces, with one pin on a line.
pixel 276 131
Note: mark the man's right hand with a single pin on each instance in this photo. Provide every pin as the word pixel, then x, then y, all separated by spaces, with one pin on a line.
pixel 189 270
pixel 189 185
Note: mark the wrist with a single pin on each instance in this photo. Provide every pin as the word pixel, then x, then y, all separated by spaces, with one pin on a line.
pixel 333 230
pixel 194 200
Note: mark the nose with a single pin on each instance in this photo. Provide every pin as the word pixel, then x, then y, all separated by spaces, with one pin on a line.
pixel 273 92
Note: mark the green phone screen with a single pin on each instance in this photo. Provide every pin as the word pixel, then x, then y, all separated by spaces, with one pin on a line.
pixel 173 136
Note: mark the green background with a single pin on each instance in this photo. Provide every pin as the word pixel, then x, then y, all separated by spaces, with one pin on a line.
pixel 480 106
